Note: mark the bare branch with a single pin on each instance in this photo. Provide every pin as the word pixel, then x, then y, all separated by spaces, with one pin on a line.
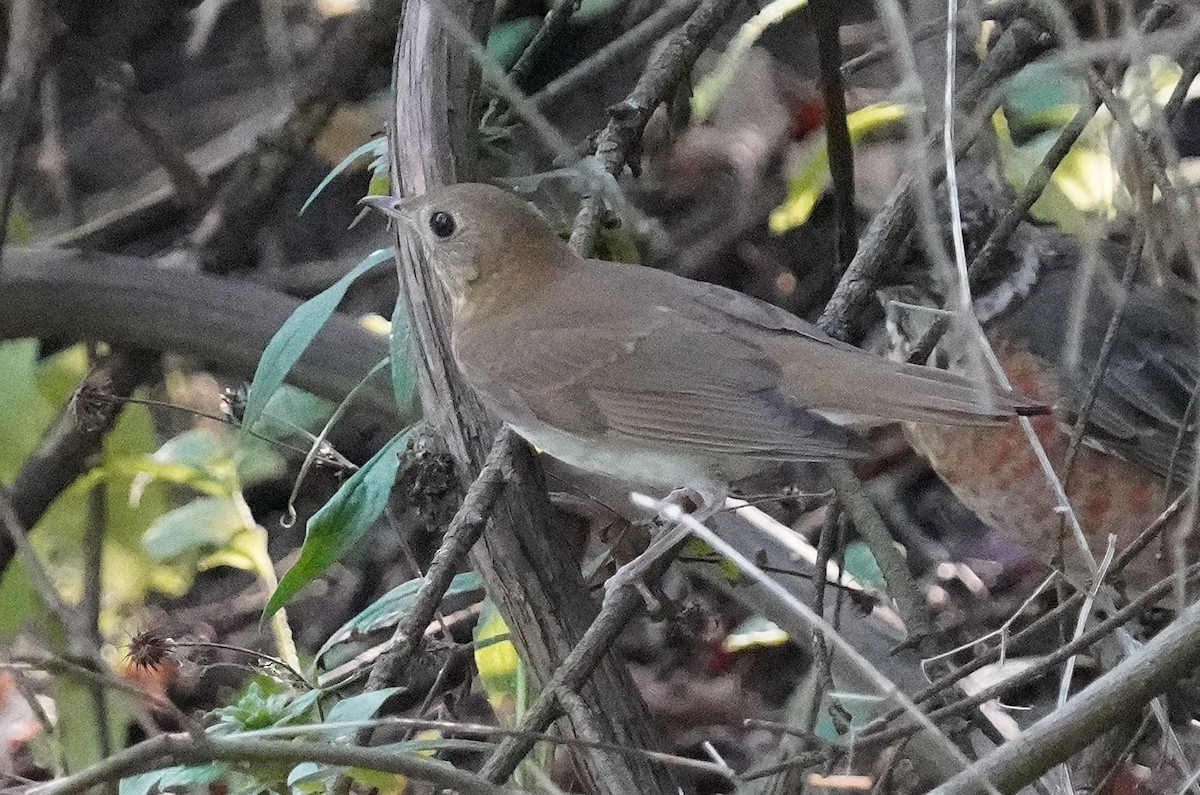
pixel 1171 655
pixel 628 119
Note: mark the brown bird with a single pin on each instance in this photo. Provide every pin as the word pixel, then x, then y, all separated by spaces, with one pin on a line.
pixel 649 377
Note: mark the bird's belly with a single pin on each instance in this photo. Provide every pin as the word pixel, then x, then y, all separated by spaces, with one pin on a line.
pixel 634 464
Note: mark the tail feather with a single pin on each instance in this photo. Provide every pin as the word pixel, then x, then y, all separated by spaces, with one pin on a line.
pixel 850 382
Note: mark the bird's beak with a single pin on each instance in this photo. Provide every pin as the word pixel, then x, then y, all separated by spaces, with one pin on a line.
pixel 393 207
pixel 388 205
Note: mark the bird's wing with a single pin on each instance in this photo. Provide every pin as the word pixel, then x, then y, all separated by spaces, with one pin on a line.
pixel 1147 387
pixel 1151 375
pixel 651 375
pixel 832 376
pixel 713 391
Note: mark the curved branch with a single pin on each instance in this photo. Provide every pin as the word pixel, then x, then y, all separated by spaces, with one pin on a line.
pixel 127 301
pixel 538 588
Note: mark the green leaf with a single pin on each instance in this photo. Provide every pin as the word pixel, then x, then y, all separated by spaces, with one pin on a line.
pixel 201 458
pixel 28 410
pixel 78 719
pixel 261 706
pixel 309 777
pixel 342 521
pixel 294 337
pixel 291 415
pixel 1041 97
pixel 204 524
pixel 756 632
pixel 508 40
pixel 861 565
pixel 496 659
pixel 361 707
pixel 32 391
pixel 1083 187
pixel 376 147
pixel 380 184
pixel 403 380
pixel 383 783
pixel 300 705
pixel 178 776
pixel 18 226
pixel 805 187
pixel 385 610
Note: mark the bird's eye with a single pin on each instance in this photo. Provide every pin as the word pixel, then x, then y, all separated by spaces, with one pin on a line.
pixel 442 224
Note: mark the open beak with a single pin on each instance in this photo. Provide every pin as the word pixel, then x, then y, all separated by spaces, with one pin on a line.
pixel 388 205
pixel 399 210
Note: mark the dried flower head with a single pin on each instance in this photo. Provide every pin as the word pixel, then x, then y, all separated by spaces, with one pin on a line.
pixel 151 648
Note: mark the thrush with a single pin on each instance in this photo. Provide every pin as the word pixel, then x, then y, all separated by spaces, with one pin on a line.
pixel 649 377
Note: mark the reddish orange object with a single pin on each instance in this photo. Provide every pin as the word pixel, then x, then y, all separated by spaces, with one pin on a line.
pixel 995 472
pixel 1117 485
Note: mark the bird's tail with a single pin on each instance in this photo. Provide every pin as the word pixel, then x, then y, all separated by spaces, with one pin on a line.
pixel 852 383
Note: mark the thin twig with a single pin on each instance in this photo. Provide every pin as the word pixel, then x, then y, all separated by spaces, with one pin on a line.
pixel 901 586
pixel 837 131
pixel 1135 681
pixel 222 239
pixel 628 119
pixel 116 80
pixel 63 453
pixel 20 679
pixel 938 686
pixel 95 530
pixel 1045 664
pixel 851 664
pixel 17 537
pixel 450 729
pixel 44 661
pixel 53 159
pixel 884 237
pixel 998 10
pixel 1121 759
pixel 556 21
pixel 1133 259
pixel 465 528
pixel 28 36
pixel 638 38
pixel 981 265
pixel 620 606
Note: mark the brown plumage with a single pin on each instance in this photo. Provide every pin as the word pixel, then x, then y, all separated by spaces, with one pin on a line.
pixel 641 374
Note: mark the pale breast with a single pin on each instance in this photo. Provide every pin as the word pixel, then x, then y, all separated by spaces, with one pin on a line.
pixel 635 464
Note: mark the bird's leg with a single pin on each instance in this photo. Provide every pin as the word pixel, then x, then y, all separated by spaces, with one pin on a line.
pixel 696 503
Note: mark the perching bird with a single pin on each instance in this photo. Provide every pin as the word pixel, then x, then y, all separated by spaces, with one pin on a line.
pixel 646 376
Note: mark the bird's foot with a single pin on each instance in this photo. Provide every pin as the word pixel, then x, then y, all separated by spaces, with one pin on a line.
pixel 697 505
pixel 634 572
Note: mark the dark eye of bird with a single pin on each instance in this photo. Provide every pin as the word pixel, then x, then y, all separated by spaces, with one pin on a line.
pixel 442 224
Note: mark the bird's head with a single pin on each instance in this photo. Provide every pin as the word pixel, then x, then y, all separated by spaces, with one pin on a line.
pixel 475 237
